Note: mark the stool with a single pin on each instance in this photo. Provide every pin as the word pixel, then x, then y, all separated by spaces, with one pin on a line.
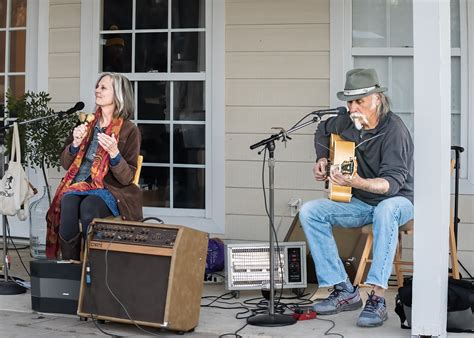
pixel 405 229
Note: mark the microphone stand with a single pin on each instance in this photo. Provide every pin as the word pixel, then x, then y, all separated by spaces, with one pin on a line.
pixel 272 318
pixel 8 286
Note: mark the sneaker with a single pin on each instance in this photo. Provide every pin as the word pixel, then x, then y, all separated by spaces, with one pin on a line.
pixel 374 313
pixel 339 300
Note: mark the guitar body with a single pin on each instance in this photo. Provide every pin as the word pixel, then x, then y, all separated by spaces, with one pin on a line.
pixel 342 154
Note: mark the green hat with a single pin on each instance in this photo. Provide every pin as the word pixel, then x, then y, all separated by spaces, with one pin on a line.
pixel 359 83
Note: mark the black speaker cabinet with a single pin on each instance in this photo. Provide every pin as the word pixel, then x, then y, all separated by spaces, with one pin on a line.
pixel 55 286
pixel 143 273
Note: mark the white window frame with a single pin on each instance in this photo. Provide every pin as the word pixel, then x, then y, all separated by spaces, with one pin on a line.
pixel 212 219
pixel 342 53
pixel 36 79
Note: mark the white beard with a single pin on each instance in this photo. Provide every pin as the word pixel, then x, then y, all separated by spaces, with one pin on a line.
pixel 359 120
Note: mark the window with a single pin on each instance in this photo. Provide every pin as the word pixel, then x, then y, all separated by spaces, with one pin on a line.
pixel 13 16
pixel 161 45
pixel 385 42
pixel 165 47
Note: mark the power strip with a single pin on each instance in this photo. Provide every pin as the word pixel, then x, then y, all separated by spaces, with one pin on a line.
pixel 213 278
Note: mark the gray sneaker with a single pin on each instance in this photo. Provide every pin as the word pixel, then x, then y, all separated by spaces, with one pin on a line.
pixel 374 313
pixel 339 300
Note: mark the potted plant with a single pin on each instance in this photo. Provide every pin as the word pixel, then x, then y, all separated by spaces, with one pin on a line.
pixel 41 146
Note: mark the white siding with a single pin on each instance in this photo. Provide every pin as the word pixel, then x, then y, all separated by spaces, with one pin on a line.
pixel 63 59
pixel 277 71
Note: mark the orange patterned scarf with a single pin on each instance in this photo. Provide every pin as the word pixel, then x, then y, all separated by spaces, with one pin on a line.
pixel 99 169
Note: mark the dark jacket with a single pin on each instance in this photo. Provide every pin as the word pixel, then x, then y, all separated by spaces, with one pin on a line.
pixel 383 152
pixel 119 178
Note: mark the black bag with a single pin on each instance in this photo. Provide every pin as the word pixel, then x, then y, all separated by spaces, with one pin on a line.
pixel 460 305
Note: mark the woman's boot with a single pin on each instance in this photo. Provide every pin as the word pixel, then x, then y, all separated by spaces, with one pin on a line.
pixel 71 249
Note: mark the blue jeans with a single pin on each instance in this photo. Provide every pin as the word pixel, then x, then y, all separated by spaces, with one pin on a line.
pixel 318 218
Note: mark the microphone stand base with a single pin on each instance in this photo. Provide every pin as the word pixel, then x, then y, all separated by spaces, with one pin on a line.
pixel 11 288
pixel 271 320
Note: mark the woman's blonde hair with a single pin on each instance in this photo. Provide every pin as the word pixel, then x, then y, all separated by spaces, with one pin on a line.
pixel 123 95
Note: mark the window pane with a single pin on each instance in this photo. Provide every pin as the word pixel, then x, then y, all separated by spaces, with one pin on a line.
pixel 117 53
pixel 17 51
pixel 2 90
pixel 18 18
pixel 152 14
pixel 373 32
pixel 455 24
pixel 456 84
pixel 155 143
pixel 189 142
pixel 401 23
pixel 2 52
pixel 402 88
pixel 189 100
pixel 153 100
pixel 17 85
pixel 151 52
pixel 456 129
pixel 189 191
pixel 155 187
pixel 3 14
pixel 188 52
pixel 188 14
pixel 117 13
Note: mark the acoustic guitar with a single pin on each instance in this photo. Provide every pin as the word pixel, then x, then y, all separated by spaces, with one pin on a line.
pixel 341 158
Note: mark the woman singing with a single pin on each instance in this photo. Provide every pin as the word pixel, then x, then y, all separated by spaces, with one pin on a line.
pixel 101 159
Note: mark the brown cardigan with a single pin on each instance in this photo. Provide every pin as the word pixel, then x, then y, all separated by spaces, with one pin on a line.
pixel 119 178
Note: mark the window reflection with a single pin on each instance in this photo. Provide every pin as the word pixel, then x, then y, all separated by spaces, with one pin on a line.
pixel 3 14
pixel 153 100
pixel 189 144
pixel 189 100
pixel 18 18
pixel 17 85
pixel 118 13
pixel 188 52
pixel 151 52
pixel 152 14
pixel 188 14
pixel 117 52
pixel 155 142
pixel 17 51
pixel 155 186
pixel 2 54
pixel 188 188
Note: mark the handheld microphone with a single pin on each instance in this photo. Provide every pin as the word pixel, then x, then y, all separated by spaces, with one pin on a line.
pixel 332 111
pixel 78 106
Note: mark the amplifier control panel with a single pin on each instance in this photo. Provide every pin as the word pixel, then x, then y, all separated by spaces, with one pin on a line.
pixel 137 235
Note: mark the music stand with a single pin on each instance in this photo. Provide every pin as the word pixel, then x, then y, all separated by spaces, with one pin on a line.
pixel 271 318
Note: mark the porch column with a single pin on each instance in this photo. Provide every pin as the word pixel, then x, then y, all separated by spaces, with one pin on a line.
pixel 432 85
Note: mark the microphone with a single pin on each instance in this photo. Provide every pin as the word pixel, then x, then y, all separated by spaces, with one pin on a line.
pixel 78 106
pixel 332 111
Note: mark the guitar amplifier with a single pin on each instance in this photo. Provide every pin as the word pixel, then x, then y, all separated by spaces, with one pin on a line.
pixel 144 274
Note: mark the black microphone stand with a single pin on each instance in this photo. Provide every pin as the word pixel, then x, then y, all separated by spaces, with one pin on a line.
pixel 272 318
pixel 8 286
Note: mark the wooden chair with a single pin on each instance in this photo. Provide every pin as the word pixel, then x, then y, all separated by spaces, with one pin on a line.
pixel 406 229
pixel 136 178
